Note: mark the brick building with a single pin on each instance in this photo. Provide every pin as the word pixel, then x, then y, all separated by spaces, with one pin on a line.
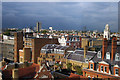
pixel 25 55
pixel 106 64
pixel 35 45
pixel 7 49
pixel 80 58
pixel 25 71
pixel 18 44
pixel 53 52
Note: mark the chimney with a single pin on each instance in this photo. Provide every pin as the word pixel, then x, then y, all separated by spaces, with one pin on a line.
pixel 85 51
pixel 67 40
pixel 104 48
pixel 114 47
pixel 15 74
pixel 80 41
pixel 3 62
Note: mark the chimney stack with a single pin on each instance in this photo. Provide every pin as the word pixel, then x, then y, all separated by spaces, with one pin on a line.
pixel 80 41
pixel 104 48
pixel 67 40
pixel 85 51
pixel 114 47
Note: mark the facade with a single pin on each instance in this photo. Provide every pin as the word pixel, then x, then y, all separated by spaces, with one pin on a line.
pixel 80 58
pixel 106 64
pixel 53 53
pixel 107 32
pixel 25 55
pixel 91 42
pixel 37 44
pixel 18 44
pixel 72 41
pixel 7 49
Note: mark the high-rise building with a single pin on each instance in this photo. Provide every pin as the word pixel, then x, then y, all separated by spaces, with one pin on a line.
pixel 38 26
pixel 18 44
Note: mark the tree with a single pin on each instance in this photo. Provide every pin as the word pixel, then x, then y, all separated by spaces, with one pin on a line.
pixel 78 69
pixel 44 31
pixel 69 66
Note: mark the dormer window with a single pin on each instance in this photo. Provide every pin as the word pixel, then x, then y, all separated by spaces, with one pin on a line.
pixel 101 68
pixel 116 72
pixel 99 54
pixel 117 57
pixel 91 66
pixel 107 55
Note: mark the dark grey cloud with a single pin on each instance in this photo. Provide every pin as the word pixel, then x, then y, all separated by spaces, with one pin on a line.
pixel 61 15
pixel 0 16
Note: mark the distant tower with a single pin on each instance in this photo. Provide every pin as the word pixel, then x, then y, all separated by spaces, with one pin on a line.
pixel 62 41
pixel 107 32
pixel 38 26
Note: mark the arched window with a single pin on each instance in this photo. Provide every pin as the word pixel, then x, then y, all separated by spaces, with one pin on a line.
pixel 117 57
pixel 107 55
pixel 99 54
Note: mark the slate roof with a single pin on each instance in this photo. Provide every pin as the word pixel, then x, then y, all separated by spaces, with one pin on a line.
pixel 78 55
pixel 96 60
pixel 54 46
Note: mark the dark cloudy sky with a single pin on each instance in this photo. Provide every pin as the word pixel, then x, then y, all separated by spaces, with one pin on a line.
pixel 61 15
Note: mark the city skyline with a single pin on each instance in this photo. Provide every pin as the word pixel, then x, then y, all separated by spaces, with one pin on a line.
pixel 61 16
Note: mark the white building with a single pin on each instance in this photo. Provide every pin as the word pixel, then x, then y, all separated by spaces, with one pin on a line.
pixel 27 30
pixel 107 32
pixel 50 28
pixel 62 41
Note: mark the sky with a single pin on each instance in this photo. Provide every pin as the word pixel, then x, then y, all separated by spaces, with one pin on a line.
pixel 0 16
pixel 61 15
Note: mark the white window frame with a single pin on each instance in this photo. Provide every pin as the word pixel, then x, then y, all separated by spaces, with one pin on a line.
pixel 106 69
pixel 107 56
pixel 92 66
pixel 118 72
pixel 117 56
pixel 99 54
pixel 100 68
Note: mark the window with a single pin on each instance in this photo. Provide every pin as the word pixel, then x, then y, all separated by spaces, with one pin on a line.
pixel 117 57
pixel 101 68
pixel 107 55
pixel 105 69
pixel 116 71
pixel 91 66
pixel 99 54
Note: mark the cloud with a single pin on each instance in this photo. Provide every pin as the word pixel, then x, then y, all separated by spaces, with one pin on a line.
pixel 0 15
pixel 61 15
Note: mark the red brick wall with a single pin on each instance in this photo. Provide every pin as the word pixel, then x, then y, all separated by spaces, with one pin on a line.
pixel 114 47
pixel 38 43
pixel 18 44
pixel 104 48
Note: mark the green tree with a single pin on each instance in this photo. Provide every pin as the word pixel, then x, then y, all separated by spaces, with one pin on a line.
pixel 69 66
pixel 78 69
pixel 44 31
pixel 7 33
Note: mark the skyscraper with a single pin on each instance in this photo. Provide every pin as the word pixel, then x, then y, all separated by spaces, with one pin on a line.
pixel 38 26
